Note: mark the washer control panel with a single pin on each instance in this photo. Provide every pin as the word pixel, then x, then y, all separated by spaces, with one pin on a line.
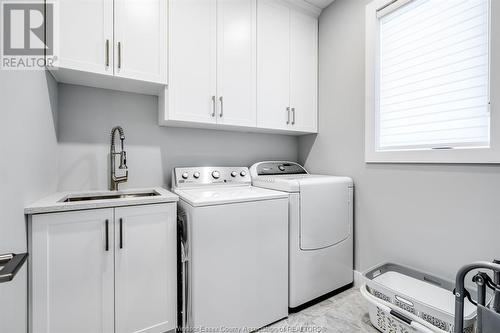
pixel 204 176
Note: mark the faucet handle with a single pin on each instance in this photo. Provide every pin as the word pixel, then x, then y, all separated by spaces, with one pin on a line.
pixel 123 160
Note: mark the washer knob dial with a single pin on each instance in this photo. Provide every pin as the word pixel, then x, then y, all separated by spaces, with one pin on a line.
pixel 196 175
pixel 233 174
pixel 243 173
pixel 185 175
pixel 216 174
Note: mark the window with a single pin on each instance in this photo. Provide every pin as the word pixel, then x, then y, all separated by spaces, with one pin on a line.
pixel 428 82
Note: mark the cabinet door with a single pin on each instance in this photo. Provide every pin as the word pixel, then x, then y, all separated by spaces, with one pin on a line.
pixel 141 40
pixel 236 62
pixel 304 69
pixel 145 263
pixel 192 61
pixel 273 64
pixel 85 32
pixel 72 272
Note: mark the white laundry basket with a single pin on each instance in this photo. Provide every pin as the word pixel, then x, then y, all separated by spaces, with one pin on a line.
pixel 404 300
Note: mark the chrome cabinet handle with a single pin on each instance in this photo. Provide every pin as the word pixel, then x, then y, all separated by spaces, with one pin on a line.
pixel 107 235
pixel 107 53
pixel 119 55
pixel 221 99
pixel 11 263
pixel 121 233
pixel 288 115
pixel 293 116
pixel 214 106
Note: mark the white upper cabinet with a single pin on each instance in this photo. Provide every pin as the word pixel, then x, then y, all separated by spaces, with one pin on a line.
pixel 304 72
pixel 226 64
pixel 212 63
pixel 236 62
pixel 273 64
pixel 120 44
pixel 242 64
pixel 287 67
pixel 140 41
pixel 85 30
pixel 192 86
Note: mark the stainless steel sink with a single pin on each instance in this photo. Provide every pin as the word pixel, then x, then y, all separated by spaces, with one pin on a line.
pixel 110 196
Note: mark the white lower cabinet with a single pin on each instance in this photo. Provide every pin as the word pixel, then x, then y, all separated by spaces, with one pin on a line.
pixel 145 266
pixel 104 270
pixel 72 273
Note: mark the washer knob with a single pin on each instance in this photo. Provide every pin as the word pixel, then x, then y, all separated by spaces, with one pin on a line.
pixel 243 173
pixel 185 175
pixel 216 174
pixel 196 175
pixel 281 167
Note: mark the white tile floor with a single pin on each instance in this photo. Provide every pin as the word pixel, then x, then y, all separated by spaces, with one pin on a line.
pixel 343 313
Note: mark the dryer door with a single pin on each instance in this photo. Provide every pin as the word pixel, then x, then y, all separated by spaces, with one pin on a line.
pixel 325 212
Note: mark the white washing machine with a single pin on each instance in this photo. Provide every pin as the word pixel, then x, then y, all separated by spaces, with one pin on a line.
pixel 234 250
pixel 320 226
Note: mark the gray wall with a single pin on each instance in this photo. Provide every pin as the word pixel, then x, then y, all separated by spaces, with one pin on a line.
pixel 86 115
pixel 28 171
pixel 433 217
pixel 57 137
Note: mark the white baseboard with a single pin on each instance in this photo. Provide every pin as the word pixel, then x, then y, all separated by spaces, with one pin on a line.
pixel 359 280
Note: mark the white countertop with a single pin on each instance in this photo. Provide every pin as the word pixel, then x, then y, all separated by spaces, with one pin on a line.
pixel 55 202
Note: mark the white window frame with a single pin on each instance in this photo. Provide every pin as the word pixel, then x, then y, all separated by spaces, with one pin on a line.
pixel 485 155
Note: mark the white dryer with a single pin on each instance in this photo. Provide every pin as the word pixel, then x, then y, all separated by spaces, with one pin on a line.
pixel 234 250
pixel 320 228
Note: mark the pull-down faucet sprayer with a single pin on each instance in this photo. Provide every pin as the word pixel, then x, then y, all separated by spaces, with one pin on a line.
pixel 114 180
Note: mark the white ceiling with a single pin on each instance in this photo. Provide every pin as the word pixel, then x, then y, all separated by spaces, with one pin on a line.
pixel 320 3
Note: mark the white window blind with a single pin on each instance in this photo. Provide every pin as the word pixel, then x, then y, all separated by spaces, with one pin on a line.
pixel 433 79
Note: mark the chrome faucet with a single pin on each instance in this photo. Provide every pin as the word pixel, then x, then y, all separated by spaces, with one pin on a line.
pixel 114 180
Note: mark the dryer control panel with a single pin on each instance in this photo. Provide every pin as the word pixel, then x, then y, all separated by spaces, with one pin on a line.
pixel 205 176
pixel 277 168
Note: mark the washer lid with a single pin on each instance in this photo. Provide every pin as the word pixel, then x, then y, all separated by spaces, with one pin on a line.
pixel 199 197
